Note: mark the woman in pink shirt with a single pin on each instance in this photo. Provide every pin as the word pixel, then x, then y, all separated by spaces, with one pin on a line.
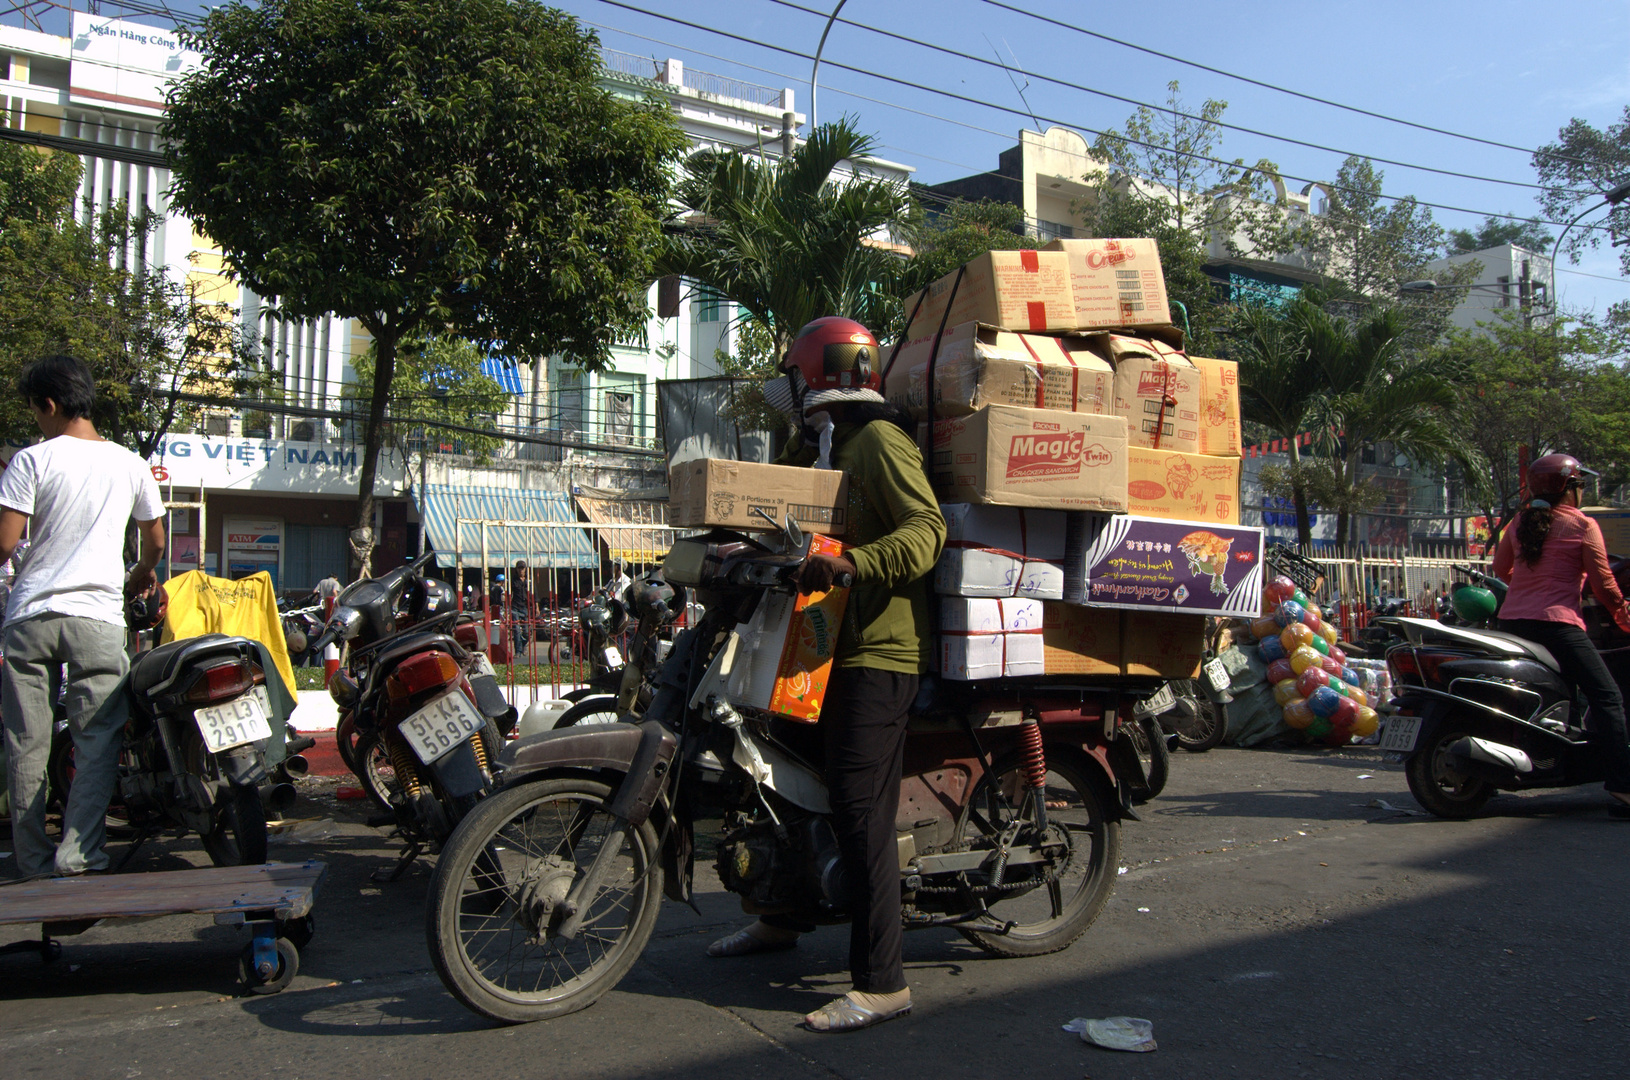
pixel 1547 556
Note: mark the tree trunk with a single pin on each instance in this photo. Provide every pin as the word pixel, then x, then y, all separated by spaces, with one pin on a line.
pixel 1298 496
pixel 373 438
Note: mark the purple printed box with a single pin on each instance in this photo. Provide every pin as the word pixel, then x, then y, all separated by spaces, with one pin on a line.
pixel 1156 564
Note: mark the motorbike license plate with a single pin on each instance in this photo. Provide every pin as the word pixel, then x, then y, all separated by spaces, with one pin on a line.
pixel 483 666
pixel 1216 676
pixel 242 720
pixel 441 726
pixel 1400 734
pixel 1156 703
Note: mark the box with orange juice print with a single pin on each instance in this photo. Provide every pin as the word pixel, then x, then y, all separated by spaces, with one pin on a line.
pixel 785 658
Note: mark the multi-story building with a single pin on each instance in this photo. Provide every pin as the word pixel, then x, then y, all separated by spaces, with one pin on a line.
pixel 275 488
pixel 1512 282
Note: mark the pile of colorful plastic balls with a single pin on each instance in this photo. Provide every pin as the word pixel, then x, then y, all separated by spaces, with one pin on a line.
pixel 1311 681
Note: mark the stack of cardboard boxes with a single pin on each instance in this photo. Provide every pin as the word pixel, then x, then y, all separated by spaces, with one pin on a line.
pixel 1088 468
pixel 1062 402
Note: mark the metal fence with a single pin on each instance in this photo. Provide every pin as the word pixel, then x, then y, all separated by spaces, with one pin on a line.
pixel 1419 577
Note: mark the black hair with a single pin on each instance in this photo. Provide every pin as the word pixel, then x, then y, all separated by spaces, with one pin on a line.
pixel 1532 528
pixel 63 379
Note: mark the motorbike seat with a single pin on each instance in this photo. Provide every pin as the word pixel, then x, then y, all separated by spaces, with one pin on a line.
pixel 154 669
pixel 1534 649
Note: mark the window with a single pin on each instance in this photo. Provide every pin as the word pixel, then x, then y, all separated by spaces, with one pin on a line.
pixel 1505 291
pixel 709 305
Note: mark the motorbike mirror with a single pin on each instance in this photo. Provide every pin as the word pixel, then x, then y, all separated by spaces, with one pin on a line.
pixel 795 535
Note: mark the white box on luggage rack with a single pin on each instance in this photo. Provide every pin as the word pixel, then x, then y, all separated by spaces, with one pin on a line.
pixel 988 572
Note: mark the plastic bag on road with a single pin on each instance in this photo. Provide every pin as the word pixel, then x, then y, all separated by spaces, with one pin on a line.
pixel 1116 1033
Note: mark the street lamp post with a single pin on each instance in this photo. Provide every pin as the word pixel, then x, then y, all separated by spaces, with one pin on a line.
pixel 815 69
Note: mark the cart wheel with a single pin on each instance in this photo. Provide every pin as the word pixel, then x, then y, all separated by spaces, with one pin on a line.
pixel 288 965
pixel 298 931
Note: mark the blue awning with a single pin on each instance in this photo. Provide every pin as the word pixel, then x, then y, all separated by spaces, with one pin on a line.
pixel 504 373
pixel 538 528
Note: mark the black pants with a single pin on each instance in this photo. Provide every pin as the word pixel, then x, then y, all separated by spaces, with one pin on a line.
pixel 864 726
pixel 1582 666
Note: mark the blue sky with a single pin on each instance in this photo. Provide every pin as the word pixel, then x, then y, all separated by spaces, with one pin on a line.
pixel 1499 70
pixel 1509 72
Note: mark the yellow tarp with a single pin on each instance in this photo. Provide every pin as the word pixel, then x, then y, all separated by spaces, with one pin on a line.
pixel 200 604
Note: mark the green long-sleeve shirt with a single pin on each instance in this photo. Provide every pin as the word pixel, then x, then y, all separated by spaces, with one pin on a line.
pixel 894 535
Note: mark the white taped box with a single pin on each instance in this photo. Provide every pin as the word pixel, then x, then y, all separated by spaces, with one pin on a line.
pixel 1033 533
pixel 991 572
pixel 983 638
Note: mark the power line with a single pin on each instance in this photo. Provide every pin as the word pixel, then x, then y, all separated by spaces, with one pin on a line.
pixel 1011 70
pixel 1272 86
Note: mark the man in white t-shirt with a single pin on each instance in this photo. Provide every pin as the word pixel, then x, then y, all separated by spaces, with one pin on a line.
pixel 75 493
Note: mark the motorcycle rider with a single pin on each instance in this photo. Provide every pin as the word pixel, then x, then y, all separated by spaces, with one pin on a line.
pixel 1546 556
pixel 895 532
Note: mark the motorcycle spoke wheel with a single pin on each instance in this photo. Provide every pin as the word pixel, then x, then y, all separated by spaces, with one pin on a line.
pixel 1047 911
pixel 589 712
pixel 373 769
pixel 1150 742
pixel 1207 728
pixel 496 898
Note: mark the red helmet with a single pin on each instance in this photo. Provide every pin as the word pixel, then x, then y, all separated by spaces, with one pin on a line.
pixel 1553 474
pixel 834 353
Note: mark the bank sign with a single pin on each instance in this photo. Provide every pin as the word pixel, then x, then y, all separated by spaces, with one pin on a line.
pixel 277 465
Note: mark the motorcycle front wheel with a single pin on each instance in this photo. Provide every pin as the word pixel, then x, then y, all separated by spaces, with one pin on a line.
pixel 497 895
pixel 1065 898
pixel 601 709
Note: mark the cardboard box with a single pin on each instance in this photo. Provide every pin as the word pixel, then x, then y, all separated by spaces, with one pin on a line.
pixel 785 659
pixel 1165 646
pixel 1186 487
pixel 968 571
pixel 1035 534
pixel 1615 526
pixel 988 639
pixel 980 365
pixel 1157 390
pixel 1219 407
pixel 1005 456
pixel 1116 282
pixel 1018 290
pixel 1155 564
pixel 1080 641
pixel 716 492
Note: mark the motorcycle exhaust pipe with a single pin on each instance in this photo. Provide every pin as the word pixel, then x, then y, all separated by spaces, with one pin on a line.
pixel 296 765
pixel 300 745
pixel 277 797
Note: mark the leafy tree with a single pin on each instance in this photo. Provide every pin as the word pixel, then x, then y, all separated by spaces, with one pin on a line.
pixel 789 240
pixel 1546 388
pixel 1495 231
pixel 1365 246
pixel 85 287
pixel 438 381
pixel 1576 170
pixel 445 166
pixel 1279 390
pixel 962 229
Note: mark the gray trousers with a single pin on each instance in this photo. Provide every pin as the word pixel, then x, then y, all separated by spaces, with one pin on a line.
pixel 35 651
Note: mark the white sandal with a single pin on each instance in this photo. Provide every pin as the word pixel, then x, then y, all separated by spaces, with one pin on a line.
pixel 844 1014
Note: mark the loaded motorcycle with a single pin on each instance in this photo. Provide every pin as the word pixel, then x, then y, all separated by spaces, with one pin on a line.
pixel 196 746
pixel 1008 826
pixel 417 698
pixel 1479 711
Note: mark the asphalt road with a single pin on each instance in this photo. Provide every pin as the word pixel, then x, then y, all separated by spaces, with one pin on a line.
pixel 1272 921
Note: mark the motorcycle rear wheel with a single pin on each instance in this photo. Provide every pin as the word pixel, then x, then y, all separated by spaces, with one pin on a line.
pixel 1439 786
pixel 373 769
pixel 1206 729
pixel 528 843
pixel 600 709
pixel 1050 916
pixel 1150 742
pixel 237 834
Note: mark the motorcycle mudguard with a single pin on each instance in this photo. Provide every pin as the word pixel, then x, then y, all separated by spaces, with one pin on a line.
pixel 459 772
pixel 245 765
pixel 640 752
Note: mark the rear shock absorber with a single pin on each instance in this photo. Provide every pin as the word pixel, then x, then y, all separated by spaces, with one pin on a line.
pixel 1035 767
pixel 407 770
pixel 478 746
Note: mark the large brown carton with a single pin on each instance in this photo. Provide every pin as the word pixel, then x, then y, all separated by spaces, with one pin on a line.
pixel 739 494
pixel 1219 407
pixel 1006 456
pixel 1116 283
pixel 1186 487
pixel 982 365
pixel 1157 390
pixel 1019 290
pixel 1080 641
pixel 1166 646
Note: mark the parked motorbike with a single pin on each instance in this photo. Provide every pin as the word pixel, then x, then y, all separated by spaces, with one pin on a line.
pixel 1008 827
pixel 1480 711
pixel 618 684
pixel 418 698
pixel 195 749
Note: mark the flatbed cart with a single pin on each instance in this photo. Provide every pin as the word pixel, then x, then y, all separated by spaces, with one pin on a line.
pixel 273 899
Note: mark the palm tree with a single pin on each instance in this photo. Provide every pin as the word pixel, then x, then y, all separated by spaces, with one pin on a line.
pixel 786 239
pixel 1279 389
pixel 1376 390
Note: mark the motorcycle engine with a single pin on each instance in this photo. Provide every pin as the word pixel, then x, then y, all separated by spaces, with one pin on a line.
pixel 784 868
